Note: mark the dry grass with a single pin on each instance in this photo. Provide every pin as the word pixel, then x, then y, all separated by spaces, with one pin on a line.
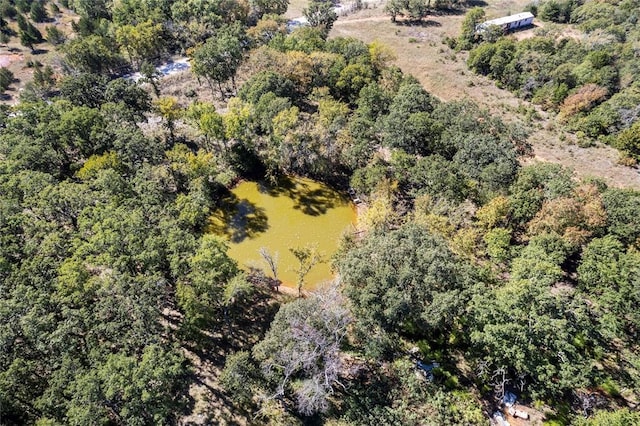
pixel 421 52
pixel 15 57
pixel 295 8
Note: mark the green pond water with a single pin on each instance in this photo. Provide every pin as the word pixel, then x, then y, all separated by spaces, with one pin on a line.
pixel 293 214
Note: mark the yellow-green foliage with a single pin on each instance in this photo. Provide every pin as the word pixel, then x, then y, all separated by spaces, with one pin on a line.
pixel 498 241
pixel 466 242
pixel 378 216
pixel 184 161
pixel 494 213
pixel 95 163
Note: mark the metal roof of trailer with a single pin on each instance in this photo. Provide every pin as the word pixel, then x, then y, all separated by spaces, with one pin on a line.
pixel 508 19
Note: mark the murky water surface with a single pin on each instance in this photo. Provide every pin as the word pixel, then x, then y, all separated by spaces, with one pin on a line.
pixel 294 214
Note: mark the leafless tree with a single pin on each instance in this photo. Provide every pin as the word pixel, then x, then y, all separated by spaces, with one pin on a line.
pixel 499 381
pixel 303 346
pixel 271 260
pixel 522 381
pixel 312 396
pixel 308 257
pixel 589 402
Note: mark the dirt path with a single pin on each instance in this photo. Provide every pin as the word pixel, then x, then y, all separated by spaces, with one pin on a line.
pixel 354 21
pixel 421 52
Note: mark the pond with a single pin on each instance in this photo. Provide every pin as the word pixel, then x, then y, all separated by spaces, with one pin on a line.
pixel 297 213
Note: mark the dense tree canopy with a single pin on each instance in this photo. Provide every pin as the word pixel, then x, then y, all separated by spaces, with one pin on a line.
pixel 406 281
pixel 469 274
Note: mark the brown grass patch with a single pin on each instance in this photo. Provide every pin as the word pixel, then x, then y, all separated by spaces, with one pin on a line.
pixel 295 8
pixel 443 72
pixel 15 57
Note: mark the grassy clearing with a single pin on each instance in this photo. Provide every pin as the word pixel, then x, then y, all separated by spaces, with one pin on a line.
pixel 420 52
pixel 17 58
pixel 295 8
pixel 443 72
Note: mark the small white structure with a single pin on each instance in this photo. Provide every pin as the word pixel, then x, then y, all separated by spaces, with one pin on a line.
pixel 507 23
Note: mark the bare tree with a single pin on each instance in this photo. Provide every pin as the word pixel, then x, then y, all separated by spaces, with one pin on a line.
pixel 589 402
pixel 499 380
pixel 272 262
pixel 303 345
pixel 497 377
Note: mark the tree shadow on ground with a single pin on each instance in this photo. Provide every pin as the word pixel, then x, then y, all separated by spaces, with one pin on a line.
pixel 419 23
pixel 246 323
pixel 367 394
pixel 238 219
pixel 461 9
pixel 476 3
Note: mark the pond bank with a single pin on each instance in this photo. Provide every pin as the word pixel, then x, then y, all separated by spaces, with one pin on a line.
pixel 299 213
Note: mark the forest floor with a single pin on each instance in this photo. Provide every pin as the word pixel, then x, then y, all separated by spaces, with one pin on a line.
pixel 420 51
pixel 247 326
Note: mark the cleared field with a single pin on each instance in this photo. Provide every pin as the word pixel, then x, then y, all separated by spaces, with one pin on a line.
pixel 421 52
pixel 19 59
pixel 295 8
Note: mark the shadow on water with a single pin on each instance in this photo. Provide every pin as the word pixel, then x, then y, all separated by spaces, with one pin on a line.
pixel 316 201
pixel 283 186
pixel 238 219
pixel 307 199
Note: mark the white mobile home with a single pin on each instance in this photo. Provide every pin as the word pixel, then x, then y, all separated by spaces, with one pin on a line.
pixel 507 23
